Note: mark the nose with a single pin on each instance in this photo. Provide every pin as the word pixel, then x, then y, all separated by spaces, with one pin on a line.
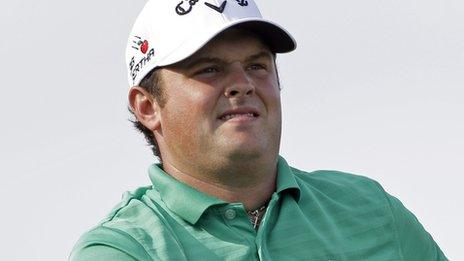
pixel 239 83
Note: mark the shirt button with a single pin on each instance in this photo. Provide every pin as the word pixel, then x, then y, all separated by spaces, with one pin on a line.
pixel 230 214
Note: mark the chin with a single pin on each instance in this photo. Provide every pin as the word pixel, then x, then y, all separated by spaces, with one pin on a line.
pixel 247 146
pixel 246 150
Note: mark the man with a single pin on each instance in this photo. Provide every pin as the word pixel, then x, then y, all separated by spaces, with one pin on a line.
pixel 205 92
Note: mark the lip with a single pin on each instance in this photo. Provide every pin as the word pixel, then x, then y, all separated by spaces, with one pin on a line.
pixel 241 110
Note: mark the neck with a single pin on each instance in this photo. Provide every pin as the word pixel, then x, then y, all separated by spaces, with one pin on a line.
pixel 250 184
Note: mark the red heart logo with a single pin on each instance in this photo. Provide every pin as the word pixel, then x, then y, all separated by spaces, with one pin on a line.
pixel 144 47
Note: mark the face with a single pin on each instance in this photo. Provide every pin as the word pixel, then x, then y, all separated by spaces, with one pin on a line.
pixel 222 104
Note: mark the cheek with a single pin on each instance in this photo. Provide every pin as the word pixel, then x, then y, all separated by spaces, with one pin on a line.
pixel 189 110
pixel 269 93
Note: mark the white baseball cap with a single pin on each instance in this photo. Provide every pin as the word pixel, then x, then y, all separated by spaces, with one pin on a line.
pixel 168 31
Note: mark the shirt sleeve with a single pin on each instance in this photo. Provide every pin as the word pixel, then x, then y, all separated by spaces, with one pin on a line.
pixel 104 243
pixel 100 252
pixel 415 243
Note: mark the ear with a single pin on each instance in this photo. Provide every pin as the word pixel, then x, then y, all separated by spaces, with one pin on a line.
pixel 145 108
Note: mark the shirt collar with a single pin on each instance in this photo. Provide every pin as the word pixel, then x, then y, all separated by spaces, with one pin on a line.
pixel 180 198
pixel 190 203
pixel 286 179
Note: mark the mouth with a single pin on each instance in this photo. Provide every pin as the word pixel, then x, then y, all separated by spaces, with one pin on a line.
pixel 240 114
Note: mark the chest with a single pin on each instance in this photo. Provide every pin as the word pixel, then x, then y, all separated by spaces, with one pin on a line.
pixel 290 231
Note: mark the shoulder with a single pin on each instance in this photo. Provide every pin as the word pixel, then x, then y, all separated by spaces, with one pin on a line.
pixel 342 192
pixel 332 181
pixel 123 229
pixel 130 200
pixel 364 200
pixel 133 206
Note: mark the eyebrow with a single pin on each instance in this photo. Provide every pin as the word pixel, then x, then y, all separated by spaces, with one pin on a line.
pixel 196 61
pixel 261 54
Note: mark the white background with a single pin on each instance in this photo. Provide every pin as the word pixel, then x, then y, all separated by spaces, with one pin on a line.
pixel 374 88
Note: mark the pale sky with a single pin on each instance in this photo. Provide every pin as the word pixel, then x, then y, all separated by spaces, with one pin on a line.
pixel 375 88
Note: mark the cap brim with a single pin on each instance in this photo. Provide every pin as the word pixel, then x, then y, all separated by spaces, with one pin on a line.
pixel 275 36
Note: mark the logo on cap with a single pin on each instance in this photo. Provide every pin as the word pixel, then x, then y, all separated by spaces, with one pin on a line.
pixel 141 45
pixel 186 6
pixel 242 2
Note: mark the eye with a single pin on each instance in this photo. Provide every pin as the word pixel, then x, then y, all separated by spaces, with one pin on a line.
pixel 256 67
pixel 208 70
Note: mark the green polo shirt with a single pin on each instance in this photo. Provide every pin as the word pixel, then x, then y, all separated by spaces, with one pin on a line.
pixel 323 215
